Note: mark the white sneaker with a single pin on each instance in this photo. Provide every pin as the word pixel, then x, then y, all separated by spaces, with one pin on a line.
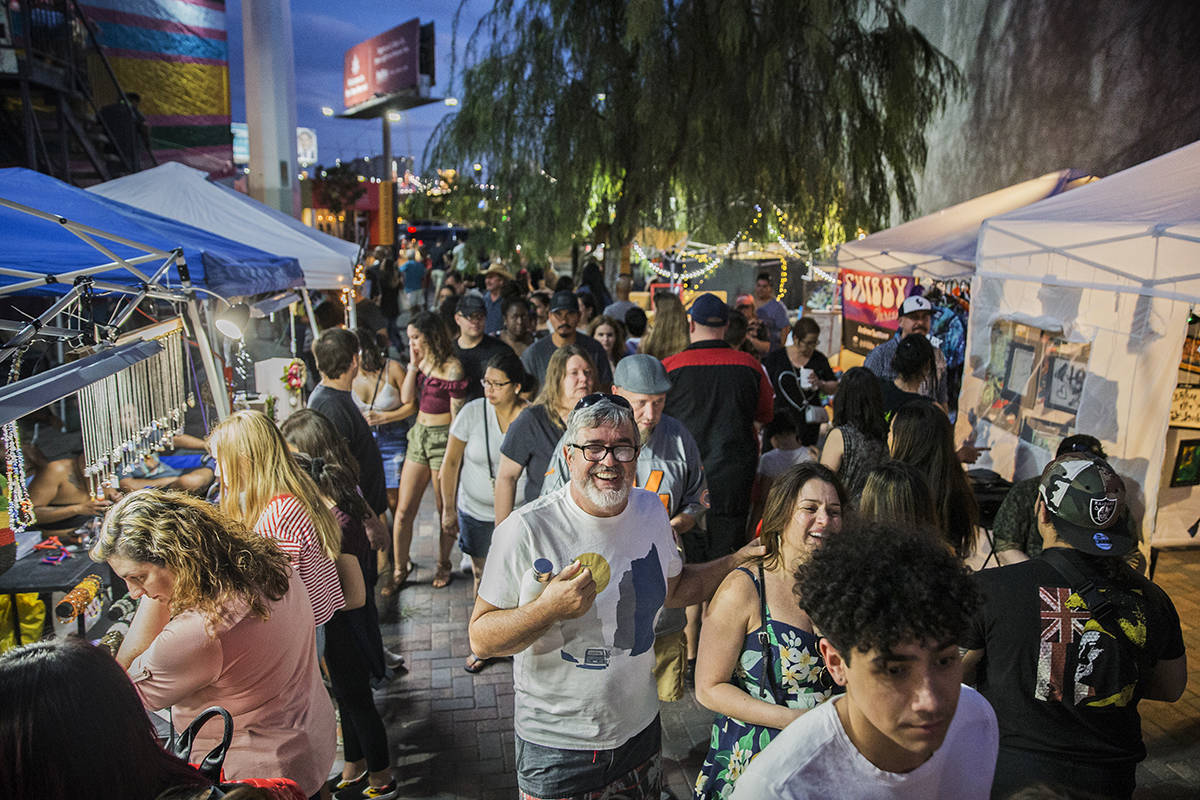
pixel 392 660
pixel 466 565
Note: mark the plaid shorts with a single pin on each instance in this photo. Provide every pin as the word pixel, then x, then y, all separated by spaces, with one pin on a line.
pixel 632 771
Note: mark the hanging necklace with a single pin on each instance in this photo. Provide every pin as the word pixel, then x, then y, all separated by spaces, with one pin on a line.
pixel 20 507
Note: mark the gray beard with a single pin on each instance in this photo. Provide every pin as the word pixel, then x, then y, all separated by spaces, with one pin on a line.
pixel 606 499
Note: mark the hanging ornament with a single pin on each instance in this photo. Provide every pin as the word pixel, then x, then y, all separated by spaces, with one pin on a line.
pixel 20 507
pixel 293 379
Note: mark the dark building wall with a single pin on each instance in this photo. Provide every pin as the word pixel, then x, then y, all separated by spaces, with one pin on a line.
pixel 1051 84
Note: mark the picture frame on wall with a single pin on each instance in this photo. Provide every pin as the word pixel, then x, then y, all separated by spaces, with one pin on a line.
pixel 1018 369
pixel 1186 471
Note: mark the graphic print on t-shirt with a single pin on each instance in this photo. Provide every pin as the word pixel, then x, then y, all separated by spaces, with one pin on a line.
pixel 641 592
pixel 1100 676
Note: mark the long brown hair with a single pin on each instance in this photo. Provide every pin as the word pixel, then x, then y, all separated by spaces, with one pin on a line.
pixel 216 560
pixel 551 394
pixel 669 333
pixel 256 467
pixel 331 465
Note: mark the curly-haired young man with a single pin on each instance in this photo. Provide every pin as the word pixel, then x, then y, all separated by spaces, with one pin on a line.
pixel 891 604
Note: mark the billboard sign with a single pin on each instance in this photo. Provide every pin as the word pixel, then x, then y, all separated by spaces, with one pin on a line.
pixel 306 144
pixel 383 64
pixel 871 307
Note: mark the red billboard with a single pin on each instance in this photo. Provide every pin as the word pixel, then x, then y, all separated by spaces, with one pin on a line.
pixel 383 64
pixel 871 307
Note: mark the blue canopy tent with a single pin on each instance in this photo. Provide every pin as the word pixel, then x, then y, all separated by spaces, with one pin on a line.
pixel 32 247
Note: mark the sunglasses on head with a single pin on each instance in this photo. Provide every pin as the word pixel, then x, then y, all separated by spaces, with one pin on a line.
pixel 590 400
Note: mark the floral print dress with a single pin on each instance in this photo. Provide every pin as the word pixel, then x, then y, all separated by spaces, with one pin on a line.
pixel 798 671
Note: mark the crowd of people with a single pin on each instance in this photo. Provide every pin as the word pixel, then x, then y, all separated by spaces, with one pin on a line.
pixel 645 505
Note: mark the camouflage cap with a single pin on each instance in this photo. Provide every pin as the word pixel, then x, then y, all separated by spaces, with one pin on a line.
pixel 1086 499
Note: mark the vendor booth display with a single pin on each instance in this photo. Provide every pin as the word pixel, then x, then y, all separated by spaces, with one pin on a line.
pixel 1081 306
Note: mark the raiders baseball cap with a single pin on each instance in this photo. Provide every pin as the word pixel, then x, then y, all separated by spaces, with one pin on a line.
pixel 1086 501
pixel 708 309
pixel 914 305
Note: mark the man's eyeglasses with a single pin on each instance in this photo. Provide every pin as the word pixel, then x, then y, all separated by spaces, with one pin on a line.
pixel 595 397
pixel 493 384
pixel 624 453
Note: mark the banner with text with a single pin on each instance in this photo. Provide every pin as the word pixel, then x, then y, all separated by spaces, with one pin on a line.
pixel 870 307
pixel 383 64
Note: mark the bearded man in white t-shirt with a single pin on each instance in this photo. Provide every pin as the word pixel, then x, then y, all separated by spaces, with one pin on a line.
pixel 573 584
pixel 891 604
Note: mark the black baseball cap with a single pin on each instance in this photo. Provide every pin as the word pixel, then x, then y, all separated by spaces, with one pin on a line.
pixel 470 304
pixel 710 310
pixel 563 301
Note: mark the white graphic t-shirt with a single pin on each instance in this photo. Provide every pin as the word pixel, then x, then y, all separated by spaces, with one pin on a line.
pixel 587 683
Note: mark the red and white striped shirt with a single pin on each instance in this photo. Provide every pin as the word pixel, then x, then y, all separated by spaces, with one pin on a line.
pixel 285 521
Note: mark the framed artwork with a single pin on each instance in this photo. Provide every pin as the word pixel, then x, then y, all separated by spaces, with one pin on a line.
pixel 1065 384
pixel 1185 407
pixel 1018 368
pixel 1190 362
pixel 1187 464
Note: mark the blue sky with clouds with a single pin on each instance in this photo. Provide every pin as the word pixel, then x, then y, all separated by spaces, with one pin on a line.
pixel 323 30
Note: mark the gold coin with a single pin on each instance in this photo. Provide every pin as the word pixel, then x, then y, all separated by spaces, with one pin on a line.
pixel 599 567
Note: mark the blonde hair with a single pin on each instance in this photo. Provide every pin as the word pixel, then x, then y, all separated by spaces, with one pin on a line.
pixel 215 559
pixel 669 333
pixel 551 394
pixel 256 467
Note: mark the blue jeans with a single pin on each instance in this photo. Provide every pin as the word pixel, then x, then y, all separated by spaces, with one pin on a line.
pixel 550 772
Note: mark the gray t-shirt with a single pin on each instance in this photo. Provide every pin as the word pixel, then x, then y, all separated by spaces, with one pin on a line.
pixel 537 357
pixel 530 442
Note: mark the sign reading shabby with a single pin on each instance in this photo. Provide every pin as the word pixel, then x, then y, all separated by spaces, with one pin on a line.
pixel 1185 407
pixel 1034 383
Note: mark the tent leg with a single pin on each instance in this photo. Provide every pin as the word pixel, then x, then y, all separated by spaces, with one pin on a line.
pixel 312 318
pixel 216 382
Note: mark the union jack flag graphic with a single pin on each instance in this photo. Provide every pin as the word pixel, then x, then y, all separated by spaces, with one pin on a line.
pixel 1063 616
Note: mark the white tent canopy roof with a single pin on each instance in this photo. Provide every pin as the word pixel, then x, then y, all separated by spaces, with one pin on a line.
pixel 179 192
pixel 1136 231
pixel 942 245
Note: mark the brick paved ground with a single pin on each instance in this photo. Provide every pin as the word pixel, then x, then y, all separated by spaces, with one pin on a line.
pixel 452 731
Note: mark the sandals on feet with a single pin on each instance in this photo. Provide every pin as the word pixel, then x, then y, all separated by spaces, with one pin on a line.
pixel 475 664
pixel 443 576
pixel 399 577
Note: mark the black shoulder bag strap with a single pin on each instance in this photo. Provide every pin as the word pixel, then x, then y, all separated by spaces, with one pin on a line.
pixel 764 638
pixel 1101 609
pixel 487 442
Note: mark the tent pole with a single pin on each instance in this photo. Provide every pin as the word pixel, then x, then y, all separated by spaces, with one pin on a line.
pixel 292 326
pixel 312 318
pixel 216 382
pixel 351 310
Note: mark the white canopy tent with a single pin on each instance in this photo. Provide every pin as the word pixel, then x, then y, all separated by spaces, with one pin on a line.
pixel 181 193
pixel 1105 277
pixel 941 245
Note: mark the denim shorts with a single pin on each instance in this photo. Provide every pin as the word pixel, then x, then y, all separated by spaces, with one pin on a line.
pixel 474 535
pixel 634 769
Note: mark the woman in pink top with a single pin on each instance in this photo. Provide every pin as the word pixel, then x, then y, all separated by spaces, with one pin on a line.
pixel 264 489
pixel 222 620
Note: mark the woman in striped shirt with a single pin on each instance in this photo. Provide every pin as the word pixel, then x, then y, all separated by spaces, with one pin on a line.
pixel 263 488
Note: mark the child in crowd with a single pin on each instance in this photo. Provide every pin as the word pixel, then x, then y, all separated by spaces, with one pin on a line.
pixel 891 604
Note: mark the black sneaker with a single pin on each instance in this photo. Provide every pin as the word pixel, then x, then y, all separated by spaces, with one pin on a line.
pixel 337 785
pixel 368 792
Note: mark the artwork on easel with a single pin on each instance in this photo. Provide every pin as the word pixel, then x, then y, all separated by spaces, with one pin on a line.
pixel 1186 471
pixel 1185 407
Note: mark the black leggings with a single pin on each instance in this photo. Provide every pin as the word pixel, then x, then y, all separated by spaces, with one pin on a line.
pixel 363 733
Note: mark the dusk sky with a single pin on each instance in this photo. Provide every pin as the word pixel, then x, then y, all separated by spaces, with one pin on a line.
pixel 323 30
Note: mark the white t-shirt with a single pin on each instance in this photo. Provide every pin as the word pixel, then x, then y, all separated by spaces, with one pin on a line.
pixel 774 463
pixel 587 683
pixel 476 492
pixel 814 758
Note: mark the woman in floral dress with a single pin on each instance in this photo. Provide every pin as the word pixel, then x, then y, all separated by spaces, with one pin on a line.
pixel 758 666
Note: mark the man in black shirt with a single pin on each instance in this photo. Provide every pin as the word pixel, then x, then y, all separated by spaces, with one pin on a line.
pixel 1067 643
pixel 473 347
pixel 336 352
pixel 564 316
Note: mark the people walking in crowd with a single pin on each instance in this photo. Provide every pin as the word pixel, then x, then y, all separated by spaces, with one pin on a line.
pixel 261 486
pixel 222 620
pixel 668 334
pixel 912 366
pixel 494 280
pixel 518 324
pixel 588 310
pixel 617 308
pixel 858 441
pixel 597 549
pixel 800 375
pixel 915 315
pixel 376 393
pixel 669 465
pixel 474 348
pixel 891 604
pixel 610 334
pixel 1068 643
pixel 759 664
pixel 921 436
pixel 786 451
pixel 564 322
pixel 770 310
pixel 529 443
pixel 436 381
pixel 472 462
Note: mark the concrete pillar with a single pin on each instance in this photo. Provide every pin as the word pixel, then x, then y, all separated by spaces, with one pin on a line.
pixel 271 102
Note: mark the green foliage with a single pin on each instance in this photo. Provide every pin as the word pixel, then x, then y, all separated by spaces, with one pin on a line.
pixel 627 113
